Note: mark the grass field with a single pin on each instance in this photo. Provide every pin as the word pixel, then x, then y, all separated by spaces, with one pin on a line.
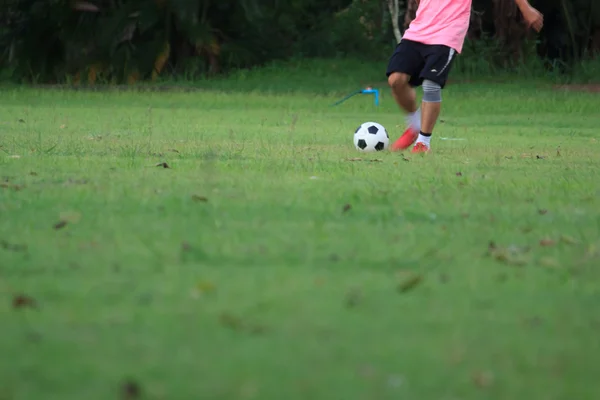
pixel 267 262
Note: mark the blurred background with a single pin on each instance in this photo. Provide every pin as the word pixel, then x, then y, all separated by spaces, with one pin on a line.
pixel 130 41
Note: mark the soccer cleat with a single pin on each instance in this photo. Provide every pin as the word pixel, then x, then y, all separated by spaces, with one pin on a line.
pixel 407 139
pixel 420 148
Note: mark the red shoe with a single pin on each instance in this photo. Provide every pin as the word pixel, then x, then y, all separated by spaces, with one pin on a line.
pixel 406 140
pixel 420 148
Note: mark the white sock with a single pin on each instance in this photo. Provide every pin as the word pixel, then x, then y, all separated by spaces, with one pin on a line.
pixel 426 140
pixel 414 119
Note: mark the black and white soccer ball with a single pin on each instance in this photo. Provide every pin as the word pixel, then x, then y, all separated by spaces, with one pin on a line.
pixel 370 137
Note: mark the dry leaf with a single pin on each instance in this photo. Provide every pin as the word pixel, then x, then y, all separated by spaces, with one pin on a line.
pixel 71 217
pixel 7 185
pixel 568 239
pixel 482 379
pixel 353 298
pixel 410 283
pixel 508 255
pixel 199 199
pixel 203 287
pixel 21 301
pixel 13 247
pixel 60 225
pixel 547 242
pixel 63 126
pixel 130 390
pixel 549 262
pixel 231 321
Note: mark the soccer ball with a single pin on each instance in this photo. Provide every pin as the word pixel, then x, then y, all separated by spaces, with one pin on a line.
pixel 370 137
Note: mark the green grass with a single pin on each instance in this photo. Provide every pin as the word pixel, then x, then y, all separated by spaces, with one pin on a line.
pixel 268 289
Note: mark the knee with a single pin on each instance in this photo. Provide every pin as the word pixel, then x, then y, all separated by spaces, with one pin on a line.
pixel 432 92
pixel 398 79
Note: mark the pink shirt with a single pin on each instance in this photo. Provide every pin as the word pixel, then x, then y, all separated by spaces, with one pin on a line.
pixel 441 22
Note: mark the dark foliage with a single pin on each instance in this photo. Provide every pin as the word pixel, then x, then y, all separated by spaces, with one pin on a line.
pixel 130 40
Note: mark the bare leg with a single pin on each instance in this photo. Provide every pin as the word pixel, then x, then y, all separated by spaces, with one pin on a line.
pixel 405 96
pixel 429 115
pixel 431 107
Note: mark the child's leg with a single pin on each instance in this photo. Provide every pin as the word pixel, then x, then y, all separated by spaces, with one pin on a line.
pixel 403 74
pixel 437 67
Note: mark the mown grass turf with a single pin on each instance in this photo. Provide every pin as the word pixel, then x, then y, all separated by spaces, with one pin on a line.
pixel 265 264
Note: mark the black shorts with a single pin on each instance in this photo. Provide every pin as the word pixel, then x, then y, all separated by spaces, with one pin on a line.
pixel 422 61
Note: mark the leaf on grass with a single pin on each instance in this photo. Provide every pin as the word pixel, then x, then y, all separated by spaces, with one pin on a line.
pixel 235 323
pixel 163 165
pixel 7 185
pixel 547 242
pixel 199 199
pixel 512 255
pixel 204 287
pixel 17 248
pixel 410 283
pixel 459 174
pixel 60 224
pixel 346 208
pixel 353 298
pixel 568 239
pixel 130 390
pixel 71 217
pixel 549 262
pixel 482 379
pixel 542 211
pixel 231 321
pixel 76 182
pixel 368 160
pixel 23 301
